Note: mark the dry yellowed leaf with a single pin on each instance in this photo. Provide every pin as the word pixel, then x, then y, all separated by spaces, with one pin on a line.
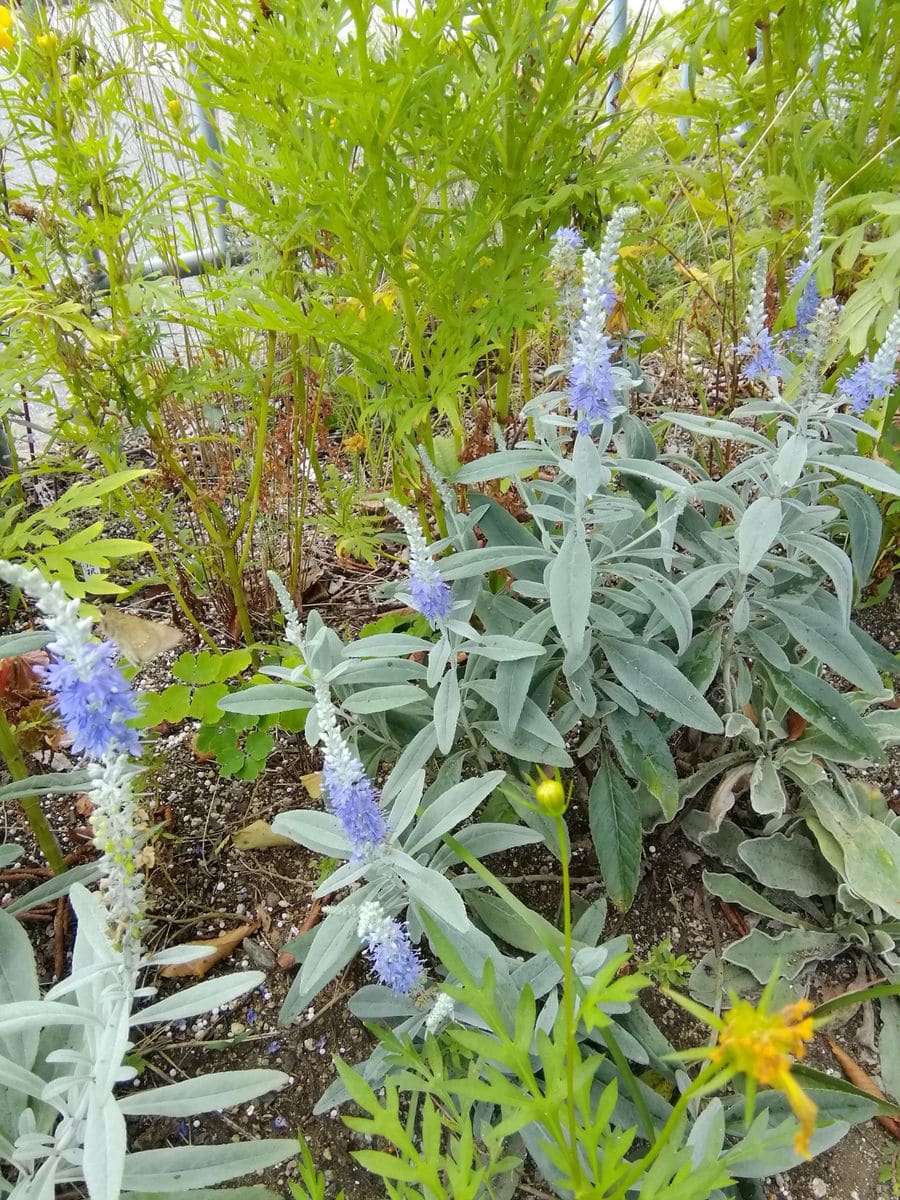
pixel 859 1078
pixel 313 784
pixel 222 946
pixel 258 835
pixel 139 640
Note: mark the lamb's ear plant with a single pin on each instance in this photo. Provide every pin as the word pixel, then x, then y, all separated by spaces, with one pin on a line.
pixel 63 1051
pixel 552 1061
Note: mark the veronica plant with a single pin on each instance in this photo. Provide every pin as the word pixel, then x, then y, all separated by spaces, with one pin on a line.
pixel 389 837
pixel 62 1053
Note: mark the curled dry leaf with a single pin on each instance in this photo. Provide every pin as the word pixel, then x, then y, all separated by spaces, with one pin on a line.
pixel 795 725
pixel 725 795
pixel 861 1079
pixel 19 682
pixel 258 835
pixel 223 945
pixel 84 805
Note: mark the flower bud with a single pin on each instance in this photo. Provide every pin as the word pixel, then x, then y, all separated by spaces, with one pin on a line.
pixel 551 796
pixel 48 42
pixel 174 107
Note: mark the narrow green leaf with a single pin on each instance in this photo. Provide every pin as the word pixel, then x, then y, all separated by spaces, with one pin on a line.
pixel 818 702
pixel 616 830
pixel 660 685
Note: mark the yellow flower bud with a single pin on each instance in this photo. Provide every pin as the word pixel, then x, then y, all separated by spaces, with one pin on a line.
pixel 551 796
pixel 174 107
pixel 48 42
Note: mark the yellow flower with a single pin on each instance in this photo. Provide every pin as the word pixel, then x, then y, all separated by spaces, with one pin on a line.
pixel 6 24
pixel 386 296
pixel 355 443
pixel 762 1045
pixel 174 107
pixel 47 42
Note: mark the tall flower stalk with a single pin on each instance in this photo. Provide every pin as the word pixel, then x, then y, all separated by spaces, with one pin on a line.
pixel 394 959
pixel 429 591
pixel 94 703
pixel 873 380
pixel 756 345
pixel 592 385
pixel 348 791
pixel 805 271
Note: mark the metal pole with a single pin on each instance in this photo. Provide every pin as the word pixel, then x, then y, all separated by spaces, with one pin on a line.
pixel 688 77
pixel 618 28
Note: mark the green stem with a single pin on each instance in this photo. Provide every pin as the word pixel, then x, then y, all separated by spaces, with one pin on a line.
pixel 569 1007
pixel 769 76
pixel 640 1168
pixel 634 1088
pixel 30 805
pixel 889 103
pixel 249 508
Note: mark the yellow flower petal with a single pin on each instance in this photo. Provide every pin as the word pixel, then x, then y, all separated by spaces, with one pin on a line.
pixel 6 42
pixel 804 1110
pixel 6 17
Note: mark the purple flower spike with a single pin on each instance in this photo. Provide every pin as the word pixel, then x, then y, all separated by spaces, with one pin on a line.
pixel 760 355
pixel 429 591
pixel 870 381
pixel 431 595
pixel 568 238
pixel 348 791
pixel 592 387
pixel 94 701
pixel 756 345
pixel 394 959
pixel 354 802
pixel 808 304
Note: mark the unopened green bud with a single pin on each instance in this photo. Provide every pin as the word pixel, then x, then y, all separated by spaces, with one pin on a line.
pixel 551 796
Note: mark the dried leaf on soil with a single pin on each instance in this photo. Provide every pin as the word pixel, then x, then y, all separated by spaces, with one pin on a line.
pixel 861 1079
pixel 258 835
pixel 313 784
pixel 223 945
